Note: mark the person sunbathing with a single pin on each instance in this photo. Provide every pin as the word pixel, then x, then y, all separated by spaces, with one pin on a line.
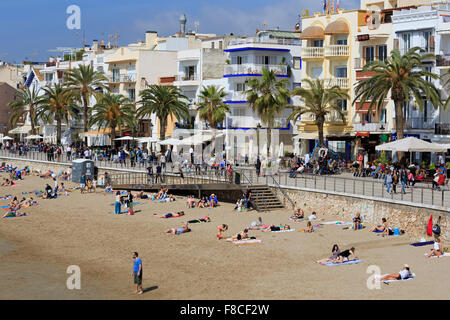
pixel 437 249
pixel 403 274
pixel 202 203
pixel 140 195
pixel 182 229
pixel 309 227
pixel 169 215
pixel 13 213
pixel 239 236
pixel 220 229
pixel 205 219
pixel 7 183
pixel 313 216
pixel 344 255
pixel 298 214
pixel 335 253
pixel 258 223
pixel 276 228
pixel 383 227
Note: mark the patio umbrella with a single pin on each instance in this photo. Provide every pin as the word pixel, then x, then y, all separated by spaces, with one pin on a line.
pixel 33 137
pixel 411 144
pixel 281 150
pixel 126 138
pixel 6 138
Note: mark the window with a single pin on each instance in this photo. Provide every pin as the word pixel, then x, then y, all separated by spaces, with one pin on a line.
pixel 382 52
pixel 316 72
pixel 115 74
pixel 131 94
pixel 341 72
pixel 297 63
pixel 342 103
pixel 240 87
pixel 426 35
pixel 428 69
pixel 341 42
pixel 266 60
pixel 383 116
pixel 337 146
pixel 100 68
pixel 220 44
pixel 239 59
pixel 406 42
pixel 369 54
pixel 238 112
pixel 212 44
pixel 296 85
pixel 317 43
pixel 190 73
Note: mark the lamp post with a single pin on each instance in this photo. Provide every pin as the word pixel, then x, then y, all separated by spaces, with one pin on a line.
pixel 150 126
pixel 258 127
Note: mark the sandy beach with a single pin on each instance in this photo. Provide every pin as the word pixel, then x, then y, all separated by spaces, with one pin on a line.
pixel 81 229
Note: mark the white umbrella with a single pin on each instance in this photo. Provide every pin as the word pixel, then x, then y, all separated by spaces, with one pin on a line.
pixel 33 137
pixel 148 139
pixel 170 141
pixel 6 138
pixel 411 144
pixel 125 138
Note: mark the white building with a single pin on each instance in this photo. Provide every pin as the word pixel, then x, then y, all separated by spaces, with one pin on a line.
pixel 427 27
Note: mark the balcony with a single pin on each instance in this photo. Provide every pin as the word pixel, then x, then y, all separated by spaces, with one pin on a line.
pixel 370 127
pixel 131 77
pixel 253 69
pixel 191 77
pixel 313 53
pixel 420 123
pixel 442 128
pixel 187 80
pixel 333 117
pixel 250 40
pixel 236 96
pixel 342 83
pixel 443 61
pixel 336 51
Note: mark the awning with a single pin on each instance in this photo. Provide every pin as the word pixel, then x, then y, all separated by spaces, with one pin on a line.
pixel 337 27
pixel 364 108
pixel 23 129
pixel 411 144
pixel 313 32
pixel 199 138
pixel 307 136
pixel 363 134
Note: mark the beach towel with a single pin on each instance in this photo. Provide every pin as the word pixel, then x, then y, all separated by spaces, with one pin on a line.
pixel 289 230
pixel 411 277
pixel 331 264
pixel 340 223
pixel 296 219
pixel 430 226
pixel 446 254
pixel 24 215
pixel 5 207
pixel 419 244
pixel 247 242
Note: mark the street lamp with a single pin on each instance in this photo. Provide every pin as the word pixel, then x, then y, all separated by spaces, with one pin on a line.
pixel 150 126
pixel 258 127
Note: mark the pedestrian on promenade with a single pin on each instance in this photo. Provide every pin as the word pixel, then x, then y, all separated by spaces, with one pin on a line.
pixel 388 180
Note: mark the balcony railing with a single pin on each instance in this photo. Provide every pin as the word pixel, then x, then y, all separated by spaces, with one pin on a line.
pixel 443 60
pixel 420 123
pixel 123 78
pixel 442 128
pixel 371 127
pixel 336 51
pixel 289 42
pixel 342 83
pixel 191 77
pixel 256 69
pixel 236 96
pixel 312 52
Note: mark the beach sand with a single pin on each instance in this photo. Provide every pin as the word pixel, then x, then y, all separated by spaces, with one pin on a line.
pixel 82 230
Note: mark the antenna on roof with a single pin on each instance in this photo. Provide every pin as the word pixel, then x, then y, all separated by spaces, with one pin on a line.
pixel 196 23
pixel 114 39
pixel 264 25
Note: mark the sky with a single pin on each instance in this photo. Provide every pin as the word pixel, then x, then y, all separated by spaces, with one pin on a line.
pixel 29 28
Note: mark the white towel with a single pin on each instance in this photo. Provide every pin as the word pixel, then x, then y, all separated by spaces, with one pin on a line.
pixel 446 254
pixel 411 277
pixel 289 230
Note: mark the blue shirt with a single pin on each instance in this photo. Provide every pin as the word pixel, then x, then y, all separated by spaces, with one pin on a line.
pixel 137 262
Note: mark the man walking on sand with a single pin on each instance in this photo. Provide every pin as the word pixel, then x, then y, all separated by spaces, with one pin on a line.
pixel 137 273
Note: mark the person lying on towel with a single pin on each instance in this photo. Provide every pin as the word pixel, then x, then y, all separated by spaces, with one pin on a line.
pixel 183 229
pixel 170 215
pixel 345 255
pixel 205 219
pixel 403 274
pixel 277 228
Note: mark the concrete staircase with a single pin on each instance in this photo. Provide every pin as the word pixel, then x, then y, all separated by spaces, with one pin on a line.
pixel 263 199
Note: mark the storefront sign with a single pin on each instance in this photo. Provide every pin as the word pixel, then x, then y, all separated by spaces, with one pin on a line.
pixel 363 37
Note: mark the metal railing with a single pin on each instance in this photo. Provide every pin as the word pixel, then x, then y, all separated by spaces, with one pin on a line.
pixel 286 196
pixel 419 194
pixel 251 68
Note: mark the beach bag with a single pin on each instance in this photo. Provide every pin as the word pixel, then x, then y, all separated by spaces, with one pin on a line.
pixel 436 228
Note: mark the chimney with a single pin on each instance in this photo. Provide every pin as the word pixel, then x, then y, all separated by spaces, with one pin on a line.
pixel 95 45
pixel 151 38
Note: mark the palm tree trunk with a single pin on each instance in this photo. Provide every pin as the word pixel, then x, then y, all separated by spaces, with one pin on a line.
pixel 32 120
pixel 399 123
pixel 269 139
pixel 113 135
pixel 162 132
pixel 85 115
pixel 320 121
pixel 58 129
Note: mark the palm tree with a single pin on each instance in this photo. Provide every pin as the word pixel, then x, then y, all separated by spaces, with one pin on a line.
pixel 58 105
pixel 164 101
pixel 113 111
pixel 319 101
pixel 402 77
pixel 211 108
pixel 25 106
pixel 267 97
pixel 84 81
